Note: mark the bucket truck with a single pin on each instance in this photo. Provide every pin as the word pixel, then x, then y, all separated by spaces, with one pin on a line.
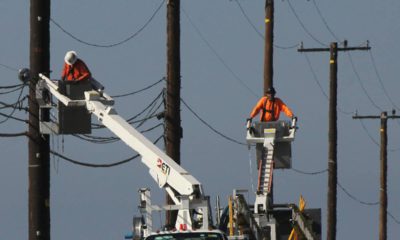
pixel 264 219
pixel 193 219
pixel 246 221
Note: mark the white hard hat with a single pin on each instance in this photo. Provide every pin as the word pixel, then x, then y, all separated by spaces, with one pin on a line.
pixel 70 57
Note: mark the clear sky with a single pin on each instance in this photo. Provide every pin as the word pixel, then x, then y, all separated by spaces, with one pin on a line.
pixel 222 78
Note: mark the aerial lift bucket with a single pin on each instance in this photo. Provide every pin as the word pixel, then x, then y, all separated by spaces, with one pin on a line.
pixel 282 143
pixel 75 119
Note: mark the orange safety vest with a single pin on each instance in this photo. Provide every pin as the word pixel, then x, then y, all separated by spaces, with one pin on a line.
pixel 270 109
pixel 78 71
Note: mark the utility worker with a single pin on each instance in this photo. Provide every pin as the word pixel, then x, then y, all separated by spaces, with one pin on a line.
pixel 75 70
pixel 270 107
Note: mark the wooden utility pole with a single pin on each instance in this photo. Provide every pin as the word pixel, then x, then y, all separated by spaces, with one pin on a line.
pixel 383 168
pixel 269 45
pixel 332 135
pixel 39 147
pixel 173 129
pixel 268 58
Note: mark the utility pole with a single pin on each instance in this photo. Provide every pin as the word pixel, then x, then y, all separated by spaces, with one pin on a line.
pixel 268 58
pixel 39 147
pixel 383 166
pixel 173 129
pixel 269 46
pixel 332 135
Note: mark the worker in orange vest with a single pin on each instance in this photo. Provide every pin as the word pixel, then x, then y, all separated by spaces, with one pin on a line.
pixel 271 107
pixel 75 70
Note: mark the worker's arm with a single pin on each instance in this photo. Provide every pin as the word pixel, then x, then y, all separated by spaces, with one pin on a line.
pixel 64 72
pixel 83 70
pixel 257 108
pixel 286 109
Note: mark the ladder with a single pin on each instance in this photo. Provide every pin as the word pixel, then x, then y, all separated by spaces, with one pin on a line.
pixel 266 164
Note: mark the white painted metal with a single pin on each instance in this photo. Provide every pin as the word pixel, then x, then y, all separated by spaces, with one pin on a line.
pixel 184 189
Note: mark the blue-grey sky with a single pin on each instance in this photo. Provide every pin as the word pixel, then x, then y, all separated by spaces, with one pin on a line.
pixel 222 78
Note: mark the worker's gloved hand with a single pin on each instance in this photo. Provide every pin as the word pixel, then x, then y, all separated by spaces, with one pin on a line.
pixel 248 122
pixel 294 122
pixel 248 126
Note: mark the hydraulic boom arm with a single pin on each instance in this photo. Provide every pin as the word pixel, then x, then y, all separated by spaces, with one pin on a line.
pixel 162 168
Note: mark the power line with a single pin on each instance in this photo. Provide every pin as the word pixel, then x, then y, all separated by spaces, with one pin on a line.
pixel 13 134
pixel 325 22
pixel 319 84
pixel 8 67
pixel 138 91
pixel 303 26
pixel 356 199
pixel 309 173
pixel 10 116
pixel 217 54
pixel 209 126
pixel 18 104
pixel 93 165
pixel 98 165
pixel 14 90
pixel 11 86
pixel 394 219
pixel 380 80
pixel 372 138
pixel 340 186
pixel 248 20
pixel 113 44
pixel 258 32
pixel 147 108
pixel 14 109
pixel 361 84
pixel 107 140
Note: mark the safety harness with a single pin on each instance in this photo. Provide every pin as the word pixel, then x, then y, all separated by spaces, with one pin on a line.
pixel 266 110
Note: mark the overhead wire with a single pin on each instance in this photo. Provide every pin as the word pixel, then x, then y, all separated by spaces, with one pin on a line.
pixel 10 116
pixel 11 86
pixel 147 107
pixel 130 119
pixel 302 24
pixel 361 84
pixel 347 192
pixel 8 67
pixel 309 173
pixel 20 134
pixel 14 109
pixel 240 81
pixel 152 108
pixel 13 90
pixel 392 217
pixel 109 139
pixel 320 86
pixel 138 91
pixel 257 31
pixel 112 44
pixel 354 198
pixel 18 104
pixel 358 76
pixel 98 165
pixel 380 80
pixel 373 139
pixel 209 126
pixel 324 21
pixel 352 63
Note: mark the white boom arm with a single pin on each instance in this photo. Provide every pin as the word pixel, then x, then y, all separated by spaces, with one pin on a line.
pixel 162 168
